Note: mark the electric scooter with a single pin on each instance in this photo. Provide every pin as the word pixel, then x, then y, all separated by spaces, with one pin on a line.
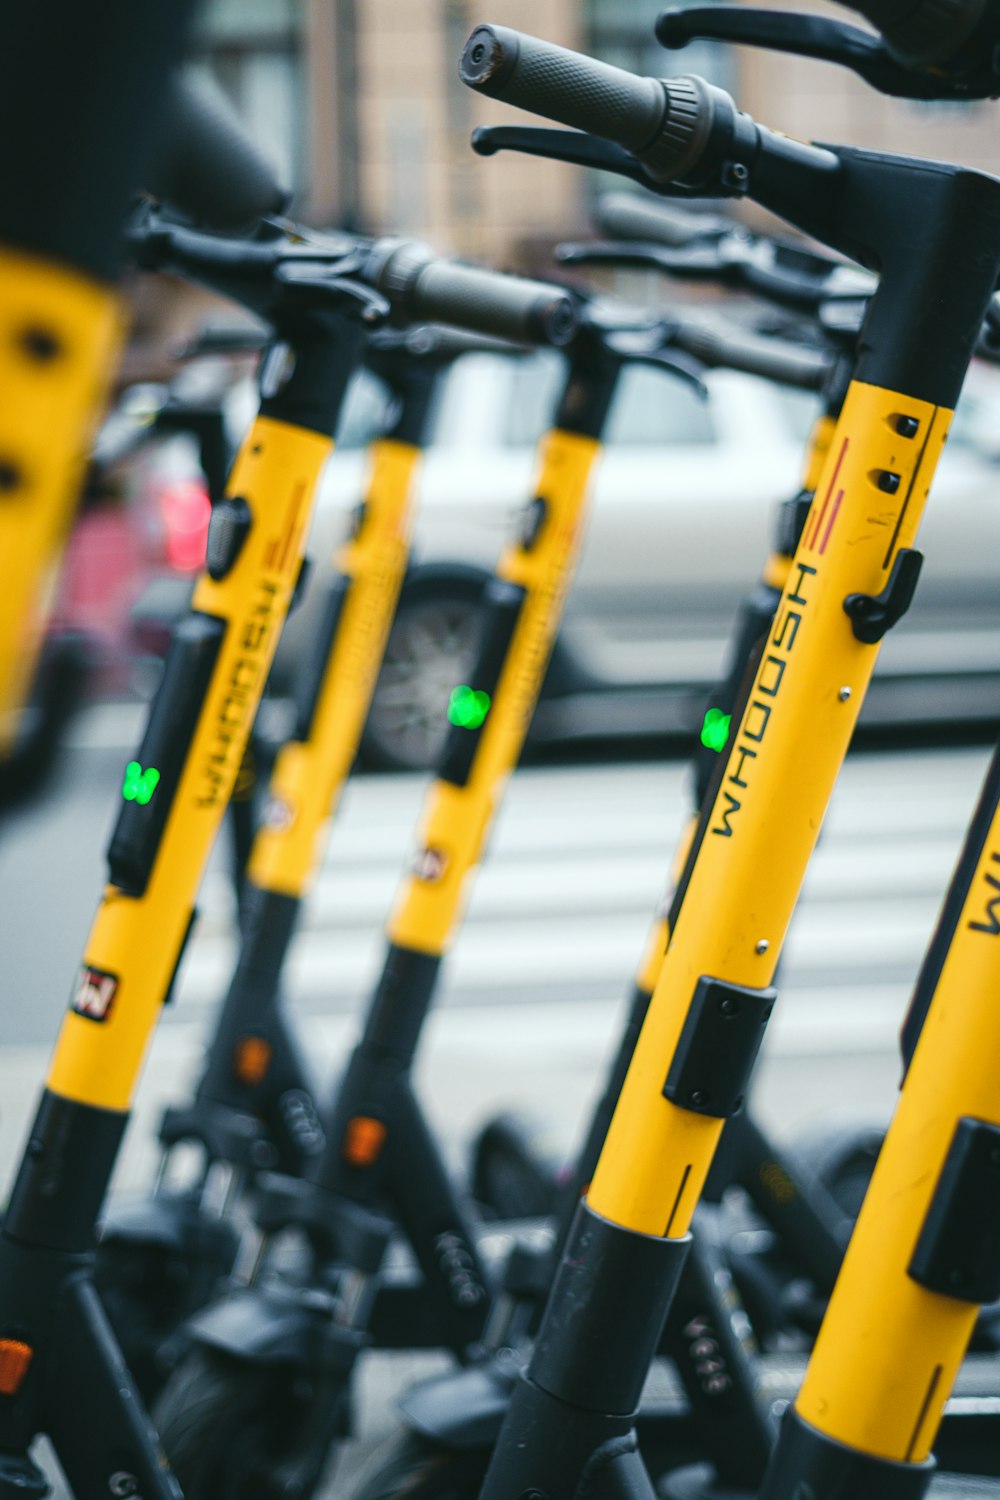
pixel 573 1413
pixel 110 117
pixel 62 1372
pixel 381 1175
pixel 161 1258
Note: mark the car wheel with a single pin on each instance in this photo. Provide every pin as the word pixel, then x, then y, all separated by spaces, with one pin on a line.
pixel 432 648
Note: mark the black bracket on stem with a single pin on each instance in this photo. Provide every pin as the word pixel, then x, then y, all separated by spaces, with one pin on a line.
pixel 872 615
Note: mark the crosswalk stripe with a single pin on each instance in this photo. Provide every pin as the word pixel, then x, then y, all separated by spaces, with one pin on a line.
pixel 578 866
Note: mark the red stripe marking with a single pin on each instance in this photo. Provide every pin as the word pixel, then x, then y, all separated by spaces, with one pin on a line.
pixel 833 480
pixel 819 522
pixel 829 524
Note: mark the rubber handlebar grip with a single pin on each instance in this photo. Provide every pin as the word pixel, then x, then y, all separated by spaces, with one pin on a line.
pixel 204 166
pixel 627 216
pixel 428 289
pixel 774 359
pixel 664 122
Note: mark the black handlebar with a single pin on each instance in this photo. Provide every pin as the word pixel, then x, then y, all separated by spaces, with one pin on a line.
pixel 425 288
pixel 272 276
pixel 204 166
pixel 665 123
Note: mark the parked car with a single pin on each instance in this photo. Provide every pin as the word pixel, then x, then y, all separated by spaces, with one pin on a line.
pixel 683 506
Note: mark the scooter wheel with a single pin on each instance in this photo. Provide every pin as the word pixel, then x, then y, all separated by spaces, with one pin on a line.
pixel 515 1168
pixel 150 1284
pixel 144 1290
pixel 844 1160
pixel 221 1423
pixel 412 1467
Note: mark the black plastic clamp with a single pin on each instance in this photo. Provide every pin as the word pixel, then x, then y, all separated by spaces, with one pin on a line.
pixel 792 515
pixel 872 615
pixel 229 526
pixel 173 719
pixel 958 1250
pixel 717 1048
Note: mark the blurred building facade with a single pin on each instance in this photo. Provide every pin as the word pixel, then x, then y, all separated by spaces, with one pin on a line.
pixel 361 104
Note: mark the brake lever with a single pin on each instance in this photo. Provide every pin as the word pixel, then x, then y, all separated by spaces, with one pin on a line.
pixel 581 150
pixel 808 36
pixel 311 278
pixel 573 146
pixel 785 274
pixel 685 366
pixel 700 259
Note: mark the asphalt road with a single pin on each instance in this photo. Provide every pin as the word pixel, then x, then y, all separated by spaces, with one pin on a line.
pixel 533 991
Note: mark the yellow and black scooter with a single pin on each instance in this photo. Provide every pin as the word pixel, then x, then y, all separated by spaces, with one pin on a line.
pixel 266 1389
pixel 88 113
pixel 925 1253
pixel 61 1371
pixel 452 1421
pixel 160 1259
pixel 933 232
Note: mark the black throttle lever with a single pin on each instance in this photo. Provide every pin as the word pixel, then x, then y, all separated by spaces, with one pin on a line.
pixel 871 615
pixel 807 36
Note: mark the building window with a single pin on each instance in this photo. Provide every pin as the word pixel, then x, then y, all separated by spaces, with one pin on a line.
pixel 621 32
pixel 252 49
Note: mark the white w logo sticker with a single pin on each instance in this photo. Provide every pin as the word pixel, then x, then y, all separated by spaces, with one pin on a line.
pixel 94 993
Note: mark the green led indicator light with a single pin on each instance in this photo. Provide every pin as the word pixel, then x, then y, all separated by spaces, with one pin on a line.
pixel 715 730
pixel 139 785
pixel 467 708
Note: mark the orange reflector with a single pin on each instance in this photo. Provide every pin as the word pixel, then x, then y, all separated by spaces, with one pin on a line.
pixel 251 1059
pixel 363 1140
pixel 15 1358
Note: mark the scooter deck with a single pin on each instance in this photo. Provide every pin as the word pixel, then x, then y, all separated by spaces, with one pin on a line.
pixel 969 1437
pixel 465 1410
pixel 695 1483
